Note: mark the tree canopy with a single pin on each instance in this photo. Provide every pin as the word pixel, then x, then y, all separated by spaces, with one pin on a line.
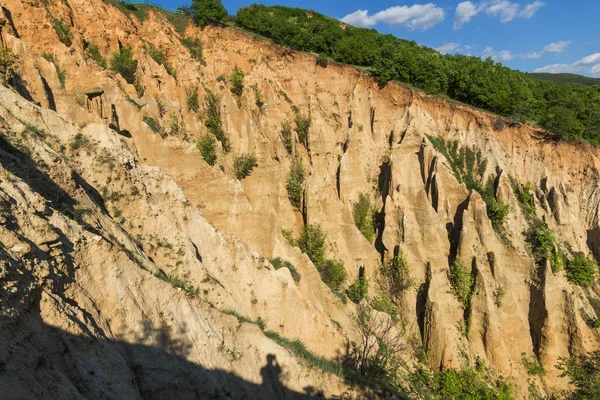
pixel 573 112
pixel 208 12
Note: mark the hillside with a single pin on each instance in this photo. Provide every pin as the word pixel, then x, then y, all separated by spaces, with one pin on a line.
pixel 195 213
pixel 571 79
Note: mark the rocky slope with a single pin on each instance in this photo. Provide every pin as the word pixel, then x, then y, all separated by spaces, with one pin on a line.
pixel 124 253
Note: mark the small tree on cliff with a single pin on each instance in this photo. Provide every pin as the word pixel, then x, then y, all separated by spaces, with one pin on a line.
pixel 208 12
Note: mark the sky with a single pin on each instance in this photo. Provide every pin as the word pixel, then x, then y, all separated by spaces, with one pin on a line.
pixel 531 35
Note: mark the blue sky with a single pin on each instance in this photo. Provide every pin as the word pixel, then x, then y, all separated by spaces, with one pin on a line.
pixel 530 35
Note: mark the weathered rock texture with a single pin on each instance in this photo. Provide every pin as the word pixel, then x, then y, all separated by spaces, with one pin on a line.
pixel 95 204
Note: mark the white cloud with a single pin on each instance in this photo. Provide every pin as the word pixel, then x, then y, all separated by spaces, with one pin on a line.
pixel 592 59
pixel 557 68
pixel 416 17
pixel 463 14
pixel 503 9
pixel 506 10
pixel 359 18
pixel 449 48
pixel 531 9
pixel 502 55
pixel 556 47
pixel 595 69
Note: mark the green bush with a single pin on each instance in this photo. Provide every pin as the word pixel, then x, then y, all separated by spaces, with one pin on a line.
pixel 302 128
pixel 462 282
pixel 153 124
pixel 333 273
pixel 498 211
pixel 63 32
pixel 582 271
pixel 194 46
pixel 208 12
pixel 364 216
pixel 286 136
pixel 243 165
pixel 161 58
pixel 322 61
pixel 498 296
pixel 236 79
pixel 61 73
pixel 558 260
pixel 396 274
pixel 124 64
pixel 312 243
pixel 93 52
pixel 383 303
pixel 533 366
pixel 191 99
pixel 541 239
pixel 213 120
pixel 360 288
pixel 279 263
pixel 294 183
pixel 584 375
pixel 208 148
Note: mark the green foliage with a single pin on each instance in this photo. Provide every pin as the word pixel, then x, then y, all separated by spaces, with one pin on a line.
pixel 288 235
pixel 582 271
pixel 236 79
pixel 572 112
pixel 8 62
pixel 312 243
pixel 243 165
pixel 572 79
pixel 294 183
pixel 93 52
pixel 153 124
pixel 194 46
pixel 333 273
pixel 498 211
pixel 61 73
pixel 178 282
pixel 208 12
pixel 79 141
pixel 259 100
pixel 279 263
pixel 63 32
pixel 191 99
pixel 523 193
pixel 396 274
pixel 498 296
pixel 302 128
pixel 161 59
pixel 584 375
pixel 533 366
pixel 462 282
pixel 360 288
pixel 286 136
pixel 124 64
pixel 558 260
pixel 383 303
pixel 322 61
pixel 364 216
pixel 541 239
pixel 466 383
pixel 212 120
pixel 208 148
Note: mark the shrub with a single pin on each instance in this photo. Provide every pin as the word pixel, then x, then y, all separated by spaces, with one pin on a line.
pixel 582 271
pixel 93 52
pixel 243 165
pixel 63 32
pixel 312 243
pixel 498 296
pixel 397 275
pixel 322 61
pixel 161 59
pixel 294 183
pixel 383 303
pixel 462 282
pixel 289 237
pixel 541 240
pixel 333 273
pixel 213 120
pixel 498 211
pixel 208 12
pixel 191 99
pixel 584 375
pixel 279 263
pixel 153 124
pixel 302 128
pixel 259 100
pixel 61 73
pixel 360 288
pixel 286 136
pixel 8 61
pixel 208 148
pixel 194 46
pixel 533 366
pixel 236 79
pixel 363 214
pixel 79 141
pixel 558 260
pixel 124 64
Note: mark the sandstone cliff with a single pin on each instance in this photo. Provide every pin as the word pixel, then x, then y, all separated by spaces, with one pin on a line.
pixel 126 257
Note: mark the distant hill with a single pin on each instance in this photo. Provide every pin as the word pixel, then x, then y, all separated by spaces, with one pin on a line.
pixel 573 79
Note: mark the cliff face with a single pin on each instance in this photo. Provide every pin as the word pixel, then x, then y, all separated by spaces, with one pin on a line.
pixel 96 209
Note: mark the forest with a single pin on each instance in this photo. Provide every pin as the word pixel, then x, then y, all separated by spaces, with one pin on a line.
pixel 570 111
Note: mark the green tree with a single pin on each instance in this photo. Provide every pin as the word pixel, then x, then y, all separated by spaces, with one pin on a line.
pixel 396 274
pixel 584 374
pixel 462 282
pixel 208 12
pixel 360 288
pixel 364 216
pixel 333 273
pixel 243 165
pixel 294 183
pixel 208 148
pixel 123 63
pixel 312 243
pixel 582 271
